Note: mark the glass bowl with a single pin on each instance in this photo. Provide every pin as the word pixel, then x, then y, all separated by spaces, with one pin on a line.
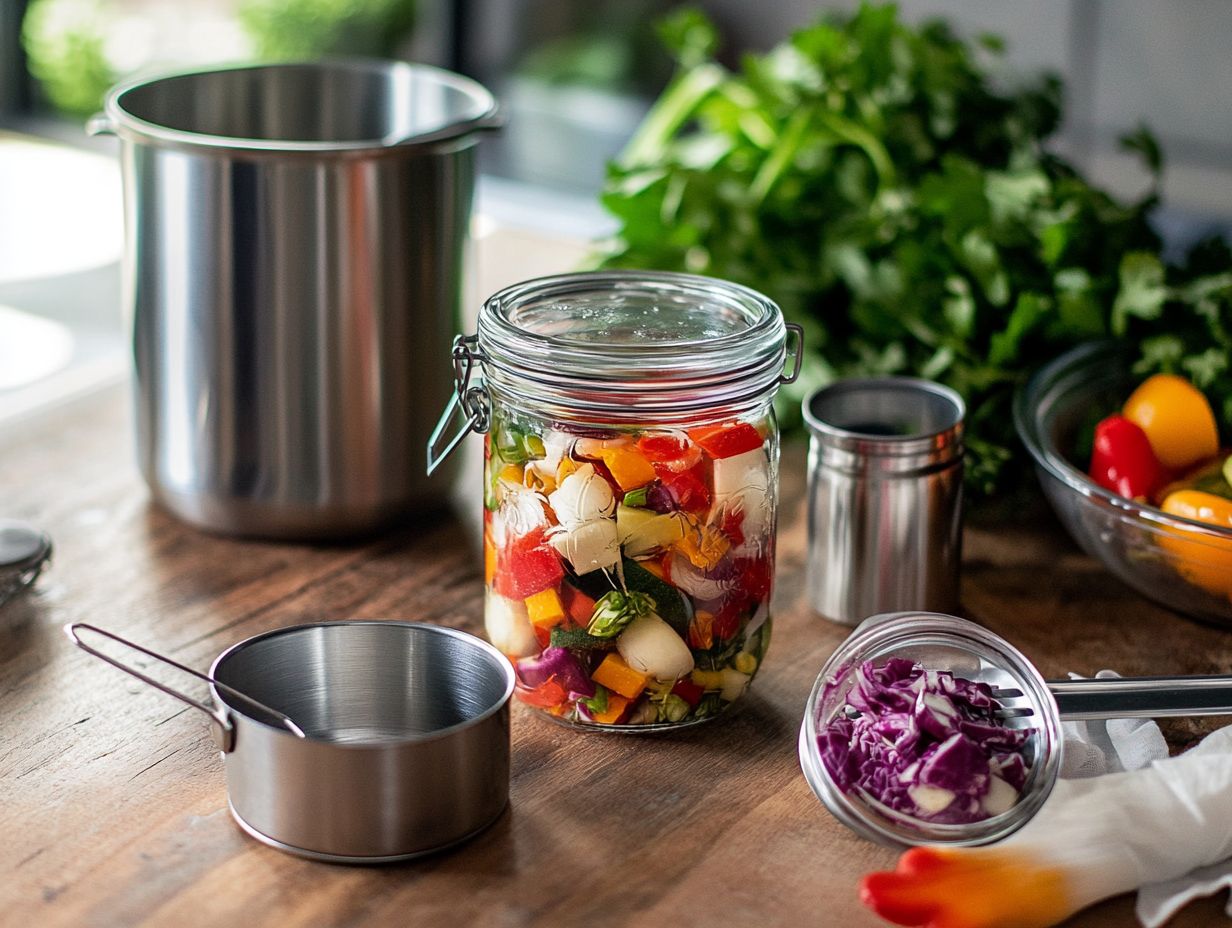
pixel 1179 563
pixel 939 642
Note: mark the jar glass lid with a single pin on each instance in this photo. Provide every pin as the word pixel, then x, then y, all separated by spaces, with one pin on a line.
pixel 634 313
pixel 607 341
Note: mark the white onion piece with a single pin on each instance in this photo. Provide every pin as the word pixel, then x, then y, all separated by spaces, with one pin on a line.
pixel 590 546
pixel 555 447
pixel 651 646
pixel 520 512
pixel 582 497
pixel 930 799
pixel 508 626
pixel 734 684
pixel 1001 797
pixel 595 447
pixel 643 532
pixel 747 471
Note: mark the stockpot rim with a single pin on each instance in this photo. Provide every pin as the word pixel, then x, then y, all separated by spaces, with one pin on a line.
pixel 115 119
pixel 500 661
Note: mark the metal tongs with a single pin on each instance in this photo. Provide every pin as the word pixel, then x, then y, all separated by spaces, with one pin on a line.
pixel 1130 697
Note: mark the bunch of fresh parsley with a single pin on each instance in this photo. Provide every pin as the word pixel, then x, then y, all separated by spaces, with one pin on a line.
pixel 870 177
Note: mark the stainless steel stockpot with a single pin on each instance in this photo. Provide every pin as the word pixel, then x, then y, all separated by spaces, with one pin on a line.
pixel 356 742
pixel 295 236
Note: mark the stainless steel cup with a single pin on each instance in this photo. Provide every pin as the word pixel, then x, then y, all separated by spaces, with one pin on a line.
pixel 293 270
pixel 885 497
pixel 356 742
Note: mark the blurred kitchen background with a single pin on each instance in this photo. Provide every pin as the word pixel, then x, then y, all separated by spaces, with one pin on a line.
pixel 575 77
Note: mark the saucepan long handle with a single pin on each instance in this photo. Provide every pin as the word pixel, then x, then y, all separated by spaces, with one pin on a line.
pixel 1143 697
pixel 220 723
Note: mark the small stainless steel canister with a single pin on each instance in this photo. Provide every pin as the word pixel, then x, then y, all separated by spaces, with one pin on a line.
pixel 885 497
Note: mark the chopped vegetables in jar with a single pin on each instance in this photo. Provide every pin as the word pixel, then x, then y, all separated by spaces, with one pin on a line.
pixel 629 571
pixel 925 743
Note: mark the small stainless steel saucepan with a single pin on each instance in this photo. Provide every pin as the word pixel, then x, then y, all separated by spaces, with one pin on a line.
pixel 356 742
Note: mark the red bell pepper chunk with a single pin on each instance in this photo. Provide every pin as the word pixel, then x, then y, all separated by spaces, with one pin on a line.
pixel 578 605
pixel 756 578
pixel 527 565
pixel 687 488
pixel 732 526
pixel 1122 460
pixel 689 691
pixel 728 439
pixel 547 695
pixel 675 452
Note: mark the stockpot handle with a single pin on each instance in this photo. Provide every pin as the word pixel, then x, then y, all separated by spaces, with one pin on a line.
pixel 100 124
pixel 221 727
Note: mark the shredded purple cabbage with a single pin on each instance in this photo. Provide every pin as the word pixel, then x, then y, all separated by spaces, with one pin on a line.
pixel 558 663
pixel 925 743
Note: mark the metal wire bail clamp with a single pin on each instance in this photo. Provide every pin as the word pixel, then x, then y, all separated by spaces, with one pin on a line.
pixel 471 401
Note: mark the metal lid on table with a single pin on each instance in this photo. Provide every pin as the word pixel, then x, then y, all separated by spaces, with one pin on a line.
pixel 24 552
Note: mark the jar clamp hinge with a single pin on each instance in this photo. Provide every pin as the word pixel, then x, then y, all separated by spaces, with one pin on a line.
pixel 471 401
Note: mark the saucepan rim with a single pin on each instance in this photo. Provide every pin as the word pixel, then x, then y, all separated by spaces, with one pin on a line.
pixel 499 662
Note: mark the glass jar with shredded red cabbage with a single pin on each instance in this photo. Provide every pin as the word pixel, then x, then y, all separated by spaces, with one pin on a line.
pixel 906 742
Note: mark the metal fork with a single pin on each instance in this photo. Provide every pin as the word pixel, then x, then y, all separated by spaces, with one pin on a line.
pixel 1130 698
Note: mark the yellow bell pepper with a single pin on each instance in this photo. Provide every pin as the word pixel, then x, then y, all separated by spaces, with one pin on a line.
pixel 1204 560
pixel 1177 419
pixel 489 559
pixel 545 608
pixel 628 467
pixel 703 545
pixel 564 469
pixel 707 679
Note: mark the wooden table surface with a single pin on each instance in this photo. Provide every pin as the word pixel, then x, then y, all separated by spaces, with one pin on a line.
pixel 112 801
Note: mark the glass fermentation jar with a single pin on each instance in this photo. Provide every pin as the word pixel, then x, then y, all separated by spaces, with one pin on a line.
pixel 630 484
pixel 938 643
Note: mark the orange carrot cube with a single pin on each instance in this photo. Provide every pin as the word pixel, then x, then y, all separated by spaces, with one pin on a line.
pixel 619 677
pixel 616 708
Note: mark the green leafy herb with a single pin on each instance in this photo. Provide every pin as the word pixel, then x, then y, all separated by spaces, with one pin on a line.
pixel 710 704
pixel 638 497
pixel 598 702
pixel 515 445
pixel 870 177
pixel 671 708
pixel 615 610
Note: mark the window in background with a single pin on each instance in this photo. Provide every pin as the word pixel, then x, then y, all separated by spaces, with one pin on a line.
pixel 575 80
pixel 78 48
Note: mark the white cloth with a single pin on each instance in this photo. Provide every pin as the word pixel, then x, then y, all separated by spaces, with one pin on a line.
pixel 1092 749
